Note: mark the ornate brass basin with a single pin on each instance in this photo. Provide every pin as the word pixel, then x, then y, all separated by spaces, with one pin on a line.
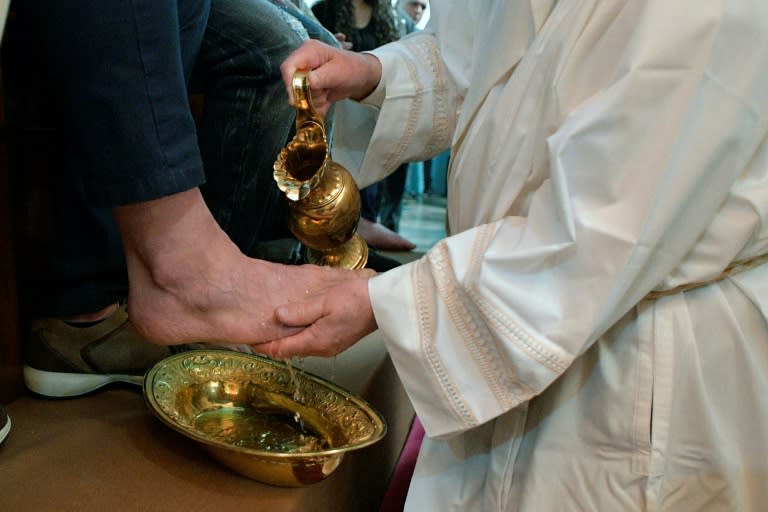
pixel 261 418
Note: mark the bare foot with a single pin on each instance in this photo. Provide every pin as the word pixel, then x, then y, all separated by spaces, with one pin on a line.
pixel 189 283
pixel 381 237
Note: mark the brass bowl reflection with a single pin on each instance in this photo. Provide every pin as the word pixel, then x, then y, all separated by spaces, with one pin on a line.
pixel 246 411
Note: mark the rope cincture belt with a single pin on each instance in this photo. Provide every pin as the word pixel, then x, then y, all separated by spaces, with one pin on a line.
pixel 734 268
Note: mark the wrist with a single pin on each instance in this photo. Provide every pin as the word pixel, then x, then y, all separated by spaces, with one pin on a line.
pixel 372 75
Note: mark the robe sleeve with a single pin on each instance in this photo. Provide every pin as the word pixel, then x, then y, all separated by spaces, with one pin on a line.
pixel 410 116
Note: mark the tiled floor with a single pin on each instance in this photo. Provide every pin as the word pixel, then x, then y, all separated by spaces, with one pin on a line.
pixel 423 221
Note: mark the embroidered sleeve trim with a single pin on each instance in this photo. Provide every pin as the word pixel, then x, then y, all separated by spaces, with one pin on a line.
pixel 474 333
pixel 484 330
pixel 503 325
pixel 395 157
pixel 425 293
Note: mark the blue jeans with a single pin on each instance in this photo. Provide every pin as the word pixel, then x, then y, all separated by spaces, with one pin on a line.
pixel 391 190
pixel 120 72
pixel 247 119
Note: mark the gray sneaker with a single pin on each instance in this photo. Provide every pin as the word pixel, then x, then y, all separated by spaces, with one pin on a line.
pixel 5 424
pixel 62 360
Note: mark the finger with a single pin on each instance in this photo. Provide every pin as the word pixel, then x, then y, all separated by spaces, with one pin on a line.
pixel 299 59
pixel 302 344
pixel 324 339
pixel 310 55
pixel 269 348
pixel 320 100
pixel 298 314
pixel 366 273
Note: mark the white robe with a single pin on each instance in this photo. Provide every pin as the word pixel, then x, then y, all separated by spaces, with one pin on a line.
pixel 600 149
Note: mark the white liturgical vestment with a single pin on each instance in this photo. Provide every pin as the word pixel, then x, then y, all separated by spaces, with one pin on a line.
pixel 600 150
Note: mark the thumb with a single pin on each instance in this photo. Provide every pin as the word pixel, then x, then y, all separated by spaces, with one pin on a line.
pixel 299 314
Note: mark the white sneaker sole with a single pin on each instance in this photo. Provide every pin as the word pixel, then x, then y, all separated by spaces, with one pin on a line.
pixel 62 385
pixel 6 428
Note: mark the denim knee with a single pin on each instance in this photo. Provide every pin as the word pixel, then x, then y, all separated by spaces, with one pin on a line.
pixel 254 36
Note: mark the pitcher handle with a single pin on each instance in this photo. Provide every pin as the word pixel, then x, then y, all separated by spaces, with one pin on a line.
pixel 305 111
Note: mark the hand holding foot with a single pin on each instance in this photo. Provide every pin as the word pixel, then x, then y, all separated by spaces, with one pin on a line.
pixel 333 320
pixel 190 283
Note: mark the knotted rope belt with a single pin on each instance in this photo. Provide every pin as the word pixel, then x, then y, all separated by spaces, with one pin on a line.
pixel 734 268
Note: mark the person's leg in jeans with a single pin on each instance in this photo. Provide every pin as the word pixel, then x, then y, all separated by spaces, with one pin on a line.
pixel 246 117
pixel 245 124
pixel 377 235
pixel 85 267
pixel 427 176
pixel 117 72
pixel 391 200
pixel 247 120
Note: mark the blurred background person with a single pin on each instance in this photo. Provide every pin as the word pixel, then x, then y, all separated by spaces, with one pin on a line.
pixel 415 9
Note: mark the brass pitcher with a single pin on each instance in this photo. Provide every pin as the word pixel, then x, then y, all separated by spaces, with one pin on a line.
pixel 323 198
